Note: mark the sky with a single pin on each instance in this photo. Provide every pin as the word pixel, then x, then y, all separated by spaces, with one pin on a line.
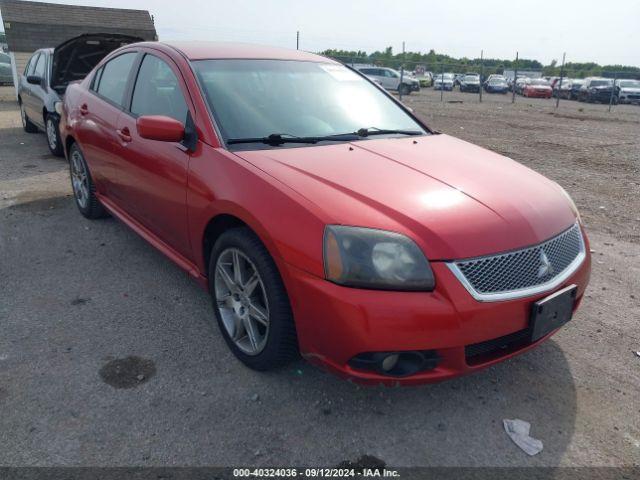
pixel 587 30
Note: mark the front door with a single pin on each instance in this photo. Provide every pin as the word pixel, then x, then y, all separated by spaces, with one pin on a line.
pixel 152 180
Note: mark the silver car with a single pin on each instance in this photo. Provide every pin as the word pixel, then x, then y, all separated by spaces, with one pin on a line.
pixel 6 77
pixel 390 79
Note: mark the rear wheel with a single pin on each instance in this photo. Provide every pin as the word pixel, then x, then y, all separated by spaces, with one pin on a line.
pixel 83 187
pixel 28 126
pixel 250 302
pixel 53 135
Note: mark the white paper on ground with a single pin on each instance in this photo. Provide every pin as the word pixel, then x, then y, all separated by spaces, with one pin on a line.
pixel 518 431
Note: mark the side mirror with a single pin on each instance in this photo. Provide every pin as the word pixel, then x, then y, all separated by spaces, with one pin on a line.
pixel 160 128
pixel 34 79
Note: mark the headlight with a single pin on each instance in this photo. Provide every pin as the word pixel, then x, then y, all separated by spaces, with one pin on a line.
pixel 57 106
pixel 369 258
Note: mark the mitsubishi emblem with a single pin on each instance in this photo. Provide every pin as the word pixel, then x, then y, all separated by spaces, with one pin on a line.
pixel 545 267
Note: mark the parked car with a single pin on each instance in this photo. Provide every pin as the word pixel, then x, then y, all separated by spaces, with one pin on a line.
pixel 470 83
pixel 627 91
pixel 520 83
pixel 596 89
pixel 496 76
pixel 425 79
pixel 537 87
pixel 576 85
pixel 45 78
pixel 390 79
pixel 443 81
pixel 6 76
pixel 496 85
pixel 563 89
pixel 332 214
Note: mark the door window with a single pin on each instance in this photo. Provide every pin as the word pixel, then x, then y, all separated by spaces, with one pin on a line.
pixel 31 64
pixel 157 91
pixel 113 80
pixel 40 66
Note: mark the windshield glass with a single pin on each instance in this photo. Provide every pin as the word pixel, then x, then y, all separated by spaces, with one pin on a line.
pixel 600 83
pixel 630 84
pixel 471 78
pixel 538 81
pixel 496 81
pixel 258 98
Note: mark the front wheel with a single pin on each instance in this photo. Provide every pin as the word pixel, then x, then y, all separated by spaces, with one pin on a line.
pixel 404 89
pixel 250 302
pixel 53 136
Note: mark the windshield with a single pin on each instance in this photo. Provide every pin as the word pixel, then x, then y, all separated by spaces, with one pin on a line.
pixel 630 84
pixel 538 81
pixel 600 83
pixel 259 98
pixel 471 78
pixel 496 81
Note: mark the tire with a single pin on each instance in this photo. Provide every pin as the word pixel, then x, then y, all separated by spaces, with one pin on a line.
pixel 84 191
pixel 273 342
pixel 404 89
pixel 26 123
pixel 53 135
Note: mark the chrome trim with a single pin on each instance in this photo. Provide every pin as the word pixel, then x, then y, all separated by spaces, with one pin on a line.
pixel 523 292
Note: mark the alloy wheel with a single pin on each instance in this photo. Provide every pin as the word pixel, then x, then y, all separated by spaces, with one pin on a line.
pixel 79 179
pixel 241 299
pixel 52 136
pixel 23 115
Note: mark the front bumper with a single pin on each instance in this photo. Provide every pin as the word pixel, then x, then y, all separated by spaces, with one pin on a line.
pixel 336 323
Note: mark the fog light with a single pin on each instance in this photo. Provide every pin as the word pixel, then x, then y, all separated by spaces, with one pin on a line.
pixel 390 361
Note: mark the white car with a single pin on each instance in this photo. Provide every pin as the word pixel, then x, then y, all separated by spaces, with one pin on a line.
pixel 627 91
pixel 390 79
pixel 443 81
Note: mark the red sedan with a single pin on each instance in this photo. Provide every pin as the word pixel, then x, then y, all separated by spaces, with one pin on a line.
pixel 322 216
pixel 537 87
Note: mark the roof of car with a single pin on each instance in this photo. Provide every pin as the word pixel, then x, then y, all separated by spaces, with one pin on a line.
pixel 195 50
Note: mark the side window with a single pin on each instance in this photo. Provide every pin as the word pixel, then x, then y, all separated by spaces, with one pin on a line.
pixel 157 91
pixel 113 80
pixel 40 65
pixel 96 79
pixel 31 64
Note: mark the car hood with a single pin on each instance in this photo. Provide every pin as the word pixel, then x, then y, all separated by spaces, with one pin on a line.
pixel 455 199
pixel 630 90
pixel 75 58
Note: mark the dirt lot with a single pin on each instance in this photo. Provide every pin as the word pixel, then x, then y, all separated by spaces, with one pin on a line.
pixel 76 295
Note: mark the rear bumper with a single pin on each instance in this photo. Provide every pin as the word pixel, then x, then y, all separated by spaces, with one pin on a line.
pixel 336 323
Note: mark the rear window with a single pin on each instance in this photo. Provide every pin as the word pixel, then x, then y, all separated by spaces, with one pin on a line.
pixel 111 80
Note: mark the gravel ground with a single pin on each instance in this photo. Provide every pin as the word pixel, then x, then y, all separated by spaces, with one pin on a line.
pixel 108 354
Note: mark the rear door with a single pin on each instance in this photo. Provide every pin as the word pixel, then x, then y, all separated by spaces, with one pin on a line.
pixel 99 111
pixel 152 178
pixel 36 92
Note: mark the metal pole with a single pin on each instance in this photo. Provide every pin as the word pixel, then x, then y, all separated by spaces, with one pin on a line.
pixel 401 74
pixel 298 40
pixel 481 74
pixel 441 81
pixel 561 76
pixel 515 77
pixel 613 87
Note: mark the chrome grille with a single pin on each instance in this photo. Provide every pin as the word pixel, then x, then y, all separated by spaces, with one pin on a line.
pixel 522 272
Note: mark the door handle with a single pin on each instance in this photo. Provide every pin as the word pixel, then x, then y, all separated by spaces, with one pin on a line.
pixel 124 134
pixel 84 110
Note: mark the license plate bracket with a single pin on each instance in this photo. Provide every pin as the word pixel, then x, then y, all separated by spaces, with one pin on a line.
pixel 552 312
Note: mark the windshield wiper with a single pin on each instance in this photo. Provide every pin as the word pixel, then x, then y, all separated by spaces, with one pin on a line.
pixel 367 132
pixel 276 139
